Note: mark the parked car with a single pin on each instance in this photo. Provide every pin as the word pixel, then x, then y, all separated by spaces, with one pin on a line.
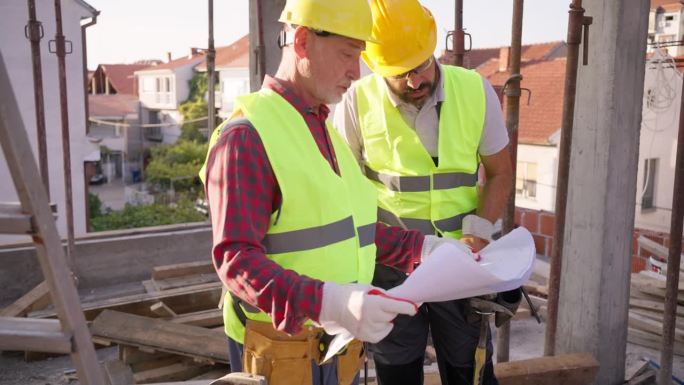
pixel 98 179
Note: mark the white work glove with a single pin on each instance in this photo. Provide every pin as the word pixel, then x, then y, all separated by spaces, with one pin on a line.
pixel 432 242
pixel 478 227
pixel 366 317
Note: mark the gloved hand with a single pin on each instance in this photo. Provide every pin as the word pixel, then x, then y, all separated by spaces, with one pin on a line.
pixel 510 300
pixel 431 243
pixel 366 317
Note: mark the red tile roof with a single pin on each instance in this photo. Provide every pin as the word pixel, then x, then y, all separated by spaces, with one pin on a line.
pixel 118 105
pixel 529 52
pixel 120 76
pixel 545 79
pixel 667 4
pixel 178 63
pixel 235 55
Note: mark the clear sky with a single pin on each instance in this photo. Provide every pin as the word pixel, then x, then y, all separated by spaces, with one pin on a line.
pixel 131 30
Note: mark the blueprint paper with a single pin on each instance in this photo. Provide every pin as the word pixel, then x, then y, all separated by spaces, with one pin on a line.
pixel 451 271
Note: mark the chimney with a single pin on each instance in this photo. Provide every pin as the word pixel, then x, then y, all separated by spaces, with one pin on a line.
pixel 193 51
pixel 168 57
pixel 504 58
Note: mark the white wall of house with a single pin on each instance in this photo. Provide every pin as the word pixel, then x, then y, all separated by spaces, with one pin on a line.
pixel 538 163
pixel 234 82
pixel 669 27
pixel 658 141
pixel 157 89
pixel 16 53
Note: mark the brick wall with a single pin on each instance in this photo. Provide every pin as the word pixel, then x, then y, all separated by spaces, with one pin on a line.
pixel 542 224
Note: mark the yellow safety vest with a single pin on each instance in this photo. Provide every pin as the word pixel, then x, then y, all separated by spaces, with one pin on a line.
pixel 325 228
pixel 412 191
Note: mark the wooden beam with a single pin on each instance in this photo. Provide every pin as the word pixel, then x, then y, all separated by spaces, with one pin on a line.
pixel 654 248
pixel 165 336
pixel 12 223
pixel 567 369
pixel 33 334
pixel 184 300
pixel 204 318
pixel 162 310
pixel 118 373
pixel 181 269
pixel 652 305
pixel 651 340
pixel 36 299
pixel 175 372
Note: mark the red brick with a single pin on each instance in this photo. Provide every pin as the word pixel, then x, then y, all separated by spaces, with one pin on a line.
pixel 540 243
pixel 638 264
pixel 517 215
pixel 547 224
pixel 635 243
pixel 530 221
pixel 549 246
pixel 655 237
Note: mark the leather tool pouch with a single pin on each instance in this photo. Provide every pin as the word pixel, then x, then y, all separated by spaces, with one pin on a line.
pixel 286 359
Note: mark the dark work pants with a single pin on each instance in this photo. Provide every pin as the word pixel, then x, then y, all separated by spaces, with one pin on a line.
pixel 399 357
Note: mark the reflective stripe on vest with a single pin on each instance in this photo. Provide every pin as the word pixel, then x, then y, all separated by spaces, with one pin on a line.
pixel 422 183
pixel 321 236
pixel 414 192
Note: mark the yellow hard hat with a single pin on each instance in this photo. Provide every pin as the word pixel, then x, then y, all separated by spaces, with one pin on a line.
pixel 406 36
pixel 349 18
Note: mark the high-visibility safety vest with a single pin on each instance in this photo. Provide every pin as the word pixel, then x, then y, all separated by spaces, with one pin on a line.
pixel 325 227
pixel 412 191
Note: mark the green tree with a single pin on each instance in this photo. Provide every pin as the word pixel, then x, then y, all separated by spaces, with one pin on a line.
pixel 149 215
pixel 177 165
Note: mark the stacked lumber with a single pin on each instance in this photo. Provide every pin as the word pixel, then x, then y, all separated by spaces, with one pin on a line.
pixel 166 328
pixel 646 303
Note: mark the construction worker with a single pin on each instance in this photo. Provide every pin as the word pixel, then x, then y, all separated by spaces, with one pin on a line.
pixel 295 234
pixel 420 131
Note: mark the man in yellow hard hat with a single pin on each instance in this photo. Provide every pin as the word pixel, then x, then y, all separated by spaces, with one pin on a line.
pixel 420 131
pixel 295 233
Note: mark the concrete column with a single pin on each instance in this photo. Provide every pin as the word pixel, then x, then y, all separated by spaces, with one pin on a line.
pixel 270 13
pixel 594 290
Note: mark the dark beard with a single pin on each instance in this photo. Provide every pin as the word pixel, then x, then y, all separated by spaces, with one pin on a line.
pixel 404 96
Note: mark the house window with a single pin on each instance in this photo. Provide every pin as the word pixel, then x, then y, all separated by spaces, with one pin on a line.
pixel 650 172
pixel 163 84
pixel 526 180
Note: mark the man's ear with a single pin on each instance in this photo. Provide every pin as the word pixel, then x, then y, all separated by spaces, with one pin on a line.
pixel 301 41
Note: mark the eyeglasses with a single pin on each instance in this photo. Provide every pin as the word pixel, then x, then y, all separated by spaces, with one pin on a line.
pixel 416 71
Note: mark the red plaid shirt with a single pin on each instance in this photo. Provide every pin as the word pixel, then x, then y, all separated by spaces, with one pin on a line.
pixel 243 192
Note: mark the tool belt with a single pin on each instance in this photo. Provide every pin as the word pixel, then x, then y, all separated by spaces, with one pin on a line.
pixel 286 359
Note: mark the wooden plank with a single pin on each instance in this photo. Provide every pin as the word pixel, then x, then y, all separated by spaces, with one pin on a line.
pixel 175 372
pixel 13 223
pixel 655 248
pixel 650 286
pixel 175 282
pixel 33 334
pixel 149 286
pixel 184 300
pixel 162 310
pixel 651 340
pixel 161 335
pixel 660 280
pixel 568 369
pixel 651 305
pixel 652 326
pixel 118 373
pixel 36 299
pixel 181 269
pixel 131 355
pixel 657 316
pixel 204 318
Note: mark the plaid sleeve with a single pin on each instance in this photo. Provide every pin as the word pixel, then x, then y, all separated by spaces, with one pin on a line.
pixel 397 247
pixel 242 192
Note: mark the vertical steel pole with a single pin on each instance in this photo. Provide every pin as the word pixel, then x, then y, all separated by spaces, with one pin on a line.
pixel 459 44
pixel 673 259
pixel 211 55
pixel 34 31
pixel 512 92
pixel 575 25
pixel 66 145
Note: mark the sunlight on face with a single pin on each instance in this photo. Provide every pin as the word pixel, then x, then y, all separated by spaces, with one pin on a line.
pixel 333 66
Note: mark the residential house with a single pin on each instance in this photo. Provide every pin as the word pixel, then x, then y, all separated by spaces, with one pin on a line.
pixel 658 142
pixel 113 123
pixel 15 51
pixel 666 26
pixel 232 66
pixel 161 90
pixel 528 53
